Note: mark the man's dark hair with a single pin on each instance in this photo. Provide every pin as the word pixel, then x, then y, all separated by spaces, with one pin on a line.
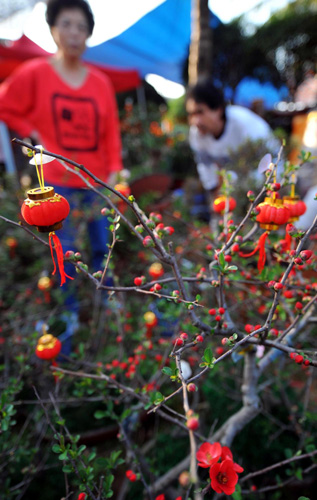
pixel 205 92
pixel 54 7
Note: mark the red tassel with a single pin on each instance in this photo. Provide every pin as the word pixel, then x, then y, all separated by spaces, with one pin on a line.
pixel 262 254
pixel 288 238
pixel 59 256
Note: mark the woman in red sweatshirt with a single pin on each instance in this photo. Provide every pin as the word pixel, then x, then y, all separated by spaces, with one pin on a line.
pixel 69 108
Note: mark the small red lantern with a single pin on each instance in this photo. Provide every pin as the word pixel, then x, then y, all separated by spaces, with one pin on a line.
pixel 272 215
pixel 46 210
pixel 11 244
pixel 296 206
pixel 150 322
pixel 45 284
pixel 48 347
pixel 156 270
pixel 221 202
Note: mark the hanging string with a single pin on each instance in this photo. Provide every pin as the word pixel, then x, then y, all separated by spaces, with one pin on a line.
pixel 42 173
pixel 39 175
pixel 59 255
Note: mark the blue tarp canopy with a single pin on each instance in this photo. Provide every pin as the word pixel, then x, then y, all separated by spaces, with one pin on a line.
pixel 158 43
pixel 250 89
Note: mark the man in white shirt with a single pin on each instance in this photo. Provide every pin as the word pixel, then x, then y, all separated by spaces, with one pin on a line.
pixel 216 130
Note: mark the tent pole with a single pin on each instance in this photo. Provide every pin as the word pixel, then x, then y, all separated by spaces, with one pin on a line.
pixel 140 94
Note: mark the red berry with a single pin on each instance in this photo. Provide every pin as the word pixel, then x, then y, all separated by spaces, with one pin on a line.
pixel 169 230
pixel 220 350
pixel 148 242
pixel 235 248
pixel 299 305
pixel 138 280
pixel 199 338
pixel 306 362
pixel 192 423
pixel 299 359
pixel 228 258
pixel 293 354
pixel 157 287
pixel 249 328
pixel 179 341
pixel 131 475
pixel 298 261
pixel 218 317
pixel 274 331
pixel 221 310
pixel 191 387
pixel 306 254
pixel 278 286
pixel 184 336
pixel 224 341
pixel 212 312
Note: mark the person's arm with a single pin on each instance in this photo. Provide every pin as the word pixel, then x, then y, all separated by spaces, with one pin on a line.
pixel 17 96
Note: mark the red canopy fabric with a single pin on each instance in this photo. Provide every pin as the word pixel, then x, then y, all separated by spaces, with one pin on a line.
pixel 23 49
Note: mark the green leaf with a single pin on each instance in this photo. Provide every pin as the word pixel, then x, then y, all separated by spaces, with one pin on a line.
pixel 221 260
pixel 63 456
pixel 67 469
pixel 100 414
pixel 208 355
pixel 56 448
pixel 158 398
pixel 288 453
pixel 167 371
pixel 81 449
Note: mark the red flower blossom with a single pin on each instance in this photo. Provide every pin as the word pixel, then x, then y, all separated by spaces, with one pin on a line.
pixel 223 477
pixel 226 454
pixel 208 454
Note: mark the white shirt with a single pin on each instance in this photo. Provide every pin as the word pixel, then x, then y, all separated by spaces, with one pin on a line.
pixel 241 125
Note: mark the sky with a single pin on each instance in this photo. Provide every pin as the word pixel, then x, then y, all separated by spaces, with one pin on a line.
pixel 110 22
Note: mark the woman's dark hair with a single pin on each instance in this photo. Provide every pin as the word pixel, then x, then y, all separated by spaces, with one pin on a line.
pixel 205 92
pixel 54 7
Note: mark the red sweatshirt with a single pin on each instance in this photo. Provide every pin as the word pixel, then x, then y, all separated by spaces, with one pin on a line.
pixel 78 123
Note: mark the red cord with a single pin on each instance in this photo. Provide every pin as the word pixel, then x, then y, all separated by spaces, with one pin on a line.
pixel 59 255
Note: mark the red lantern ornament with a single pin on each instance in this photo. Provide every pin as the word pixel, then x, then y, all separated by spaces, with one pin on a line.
pixel 48 347
pixel 45 284
pixel 46 210
pixel 150 322
pixel 296 206
pixel 221 202
pixel 272 214
pixel 156 270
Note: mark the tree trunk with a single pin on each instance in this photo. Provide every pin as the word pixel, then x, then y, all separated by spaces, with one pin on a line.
pixel 200 52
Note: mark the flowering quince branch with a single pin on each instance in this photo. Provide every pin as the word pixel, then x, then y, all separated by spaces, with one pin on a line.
pixel 136 460
pixel 192 424
pixel 223 474
pixel 251 475
pixel 56 433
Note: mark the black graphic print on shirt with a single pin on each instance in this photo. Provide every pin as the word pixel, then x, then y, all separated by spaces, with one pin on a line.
pixel 76 122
